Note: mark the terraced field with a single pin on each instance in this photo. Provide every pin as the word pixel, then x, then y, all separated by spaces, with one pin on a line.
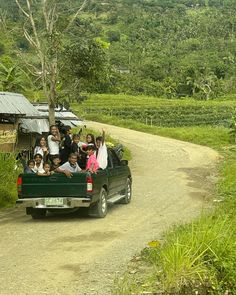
pixel 160 112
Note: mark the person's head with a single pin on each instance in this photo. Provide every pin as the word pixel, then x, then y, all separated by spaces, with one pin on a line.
pixel 41 141
pixel 99 141
pixel 66 130
pixel 90 149
pixel 76 138
pixel 90 138
pixel 46 167
pixel 54 130
pixel 31 164
pixel 56 160
pixel 73 158
pixel 38 158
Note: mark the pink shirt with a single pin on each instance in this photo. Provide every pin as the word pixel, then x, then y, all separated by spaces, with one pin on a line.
pixel 92 160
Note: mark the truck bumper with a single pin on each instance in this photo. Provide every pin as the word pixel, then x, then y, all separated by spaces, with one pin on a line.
pixel 68 203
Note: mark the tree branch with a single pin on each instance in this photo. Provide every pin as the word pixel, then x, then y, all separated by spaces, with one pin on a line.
pixel 76 14
pixel 22 9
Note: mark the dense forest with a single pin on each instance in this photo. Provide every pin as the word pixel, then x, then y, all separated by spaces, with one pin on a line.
pixel 168 48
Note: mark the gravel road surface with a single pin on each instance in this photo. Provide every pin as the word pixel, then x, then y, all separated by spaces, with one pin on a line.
pixel 70 254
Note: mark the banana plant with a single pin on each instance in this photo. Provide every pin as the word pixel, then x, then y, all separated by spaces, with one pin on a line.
pixel 12 78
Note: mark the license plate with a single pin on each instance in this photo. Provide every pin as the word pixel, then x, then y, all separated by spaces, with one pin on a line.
pixel 54 201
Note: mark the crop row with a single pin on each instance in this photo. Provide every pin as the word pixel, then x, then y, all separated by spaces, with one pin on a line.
pixel 170 116
pixel 119 101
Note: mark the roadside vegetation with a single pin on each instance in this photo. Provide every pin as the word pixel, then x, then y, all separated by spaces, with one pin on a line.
pixel 8 177
pixel 198 257
pixel 194 258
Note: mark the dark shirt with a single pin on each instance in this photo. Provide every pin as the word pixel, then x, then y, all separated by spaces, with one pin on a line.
pixel 26 168
pixel 66 150
pixel 54 167
pixel 74 148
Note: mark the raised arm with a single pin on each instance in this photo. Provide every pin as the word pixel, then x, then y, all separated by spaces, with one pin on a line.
pixel 56 137
pixel 103 136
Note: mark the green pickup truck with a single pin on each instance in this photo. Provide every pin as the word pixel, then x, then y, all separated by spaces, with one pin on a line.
pixel 57 192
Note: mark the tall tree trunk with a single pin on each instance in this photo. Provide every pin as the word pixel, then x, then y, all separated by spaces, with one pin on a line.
pixel 46 46
pixel 53 92
pixel 51 112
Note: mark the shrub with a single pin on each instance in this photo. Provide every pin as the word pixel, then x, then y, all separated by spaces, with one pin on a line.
pixel 8 176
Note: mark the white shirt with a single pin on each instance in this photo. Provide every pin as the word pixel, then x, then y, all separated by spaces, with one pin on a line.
pixel 102 156
pixel 38 150
pixel 72 168
pixel 53 146
pixel 39 169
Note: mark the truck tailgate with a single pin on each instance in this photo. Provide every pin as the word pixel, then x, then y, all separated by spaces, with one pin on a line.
pixel 56 185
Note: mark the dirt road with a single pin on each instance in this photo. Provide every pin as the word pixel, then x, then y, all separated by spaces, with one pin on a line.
pixel 70 254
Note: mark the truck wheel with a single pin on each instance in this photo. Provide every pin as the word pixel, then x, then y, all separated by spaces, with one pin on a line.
pixel 127 192
pixel 99 210
pixel 38 213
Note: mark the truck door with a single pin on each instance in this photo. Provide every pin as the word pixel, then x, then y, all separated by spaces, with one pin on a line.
pixel 117 175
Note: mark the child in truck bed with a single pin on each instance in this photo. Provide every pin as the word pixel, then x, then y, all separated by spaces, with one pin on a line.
pixel 38 167
pixel 46 170
pixel 54 139
pixel 101 151
pixel 90 139
pixel 92 163
pixel 29 167
pixel 55 162
pixel 77 148
pixel 69 167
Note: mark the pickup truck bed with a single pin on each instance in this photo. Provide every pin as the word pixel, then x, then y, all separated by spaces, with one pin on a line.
pixel 39 194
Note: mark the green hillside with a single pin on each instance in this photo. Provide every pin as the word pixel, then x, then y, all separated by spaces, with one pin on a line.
pixel 154 47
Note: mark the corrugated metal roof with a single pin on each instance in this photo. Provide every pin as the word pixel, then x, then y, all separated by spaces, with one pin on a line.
pixel 60 113
pixel 16 104
pixel 72 123
pixel 34 125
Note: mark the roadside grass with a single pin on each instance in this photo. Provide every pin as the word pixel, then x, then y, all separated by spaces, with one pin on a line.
pixel 193 258
pixel 8 177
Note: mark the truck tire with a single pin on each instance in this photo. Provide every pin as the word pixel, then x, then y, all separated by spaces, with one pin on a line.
pixel 127 192
pixel 99 209
pixel 38 213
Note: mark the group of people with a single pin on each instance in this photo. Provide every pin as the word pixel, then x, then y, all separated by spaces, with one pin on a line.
pixel 64 152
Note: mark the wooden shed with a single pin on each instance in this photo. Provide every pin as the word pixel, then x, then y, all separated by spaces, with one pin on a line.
pixel 13 108
pixel 21 122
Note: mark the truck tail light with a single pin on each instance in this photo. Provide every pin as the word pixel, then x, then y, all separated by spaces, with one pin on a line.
pixel 89 184
pixel 19 184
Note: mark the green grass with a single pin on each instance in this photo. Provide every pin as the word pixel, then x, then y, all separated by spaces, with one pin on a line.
pixel 120 100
